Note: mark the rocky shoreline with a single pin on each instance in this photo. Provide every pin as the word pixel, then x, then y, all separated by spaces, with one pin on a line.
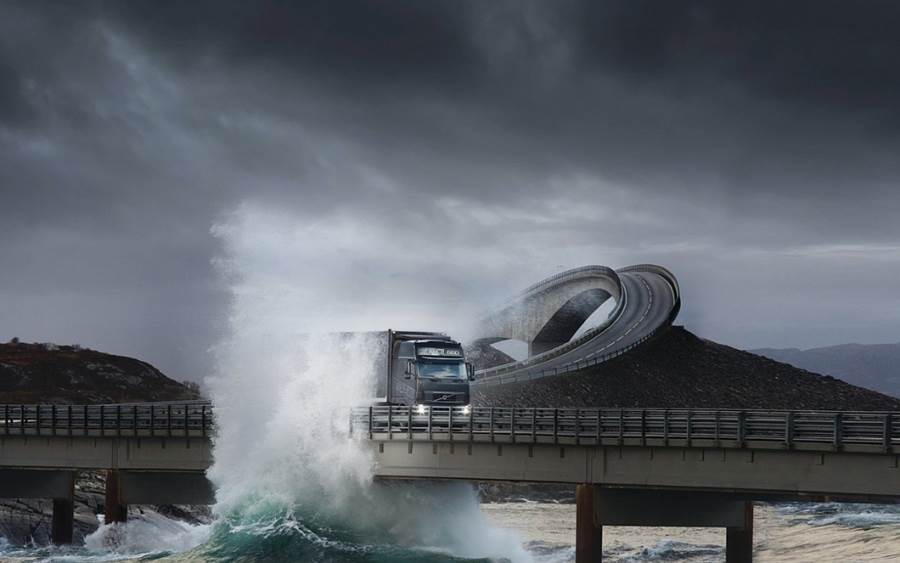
pixel 26 522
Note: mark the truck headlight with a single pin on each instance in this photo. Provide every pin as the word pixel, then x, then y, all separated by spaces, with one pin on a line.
pixel 467 409
pixel 420 409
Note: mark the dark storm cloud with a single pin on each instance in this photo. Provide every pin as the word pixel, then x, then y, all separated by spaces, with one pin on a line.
pixel 743 138
pixel 14 106
pixel 372 42
pixel 735 100
pixel 819 52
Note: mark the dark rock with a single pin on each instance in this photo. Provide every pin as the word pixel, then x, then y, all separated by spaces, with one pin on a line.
pixel 680 370
pixel 47 373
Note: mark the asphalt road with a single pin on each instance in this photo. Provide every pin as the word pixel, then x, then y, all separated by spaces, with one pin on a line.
pixel 649 301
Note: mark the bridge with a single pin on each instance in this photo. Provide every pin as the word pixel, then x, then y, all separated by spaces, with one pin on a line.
pixel 152 453
pixel 631 466
pixel 548 314
pixel 648 467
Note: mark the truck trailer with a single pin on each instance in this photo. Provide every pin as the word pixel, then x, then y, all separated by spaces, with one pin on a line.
pixel 423 368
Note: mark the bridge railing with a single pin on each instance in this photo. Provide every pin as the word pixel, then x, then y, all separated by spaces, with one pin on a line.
pixel 170 419
pixel 753 429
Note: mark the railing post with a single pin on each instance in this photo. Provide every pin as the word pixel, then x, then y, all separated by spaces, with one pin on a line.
pixel 69 419
pixel 741 432
pixel 6 419
pixel 837 432
pixel 789 430
pixel 512 424
pixel 556 426
pixel 186 421
pixel 643 427
pixel 169 420
pixel 370 422
pixel 450 422
pixel 53 420
pixel 621 426
pixel 391 423
pixel 84 419
pixel 37 419
pixel 577 426
pixel 471 423
pixel 666 427
pixel 717 430
pixel 491 426
pixel 887 433
pixel 102 421
pixel 430 438
pixel 203 420
pixel 134 420
pixel 409 421
pixel 687 430
pixel 533 425
pixel 118 420
pixel 152 419
pixel 22 419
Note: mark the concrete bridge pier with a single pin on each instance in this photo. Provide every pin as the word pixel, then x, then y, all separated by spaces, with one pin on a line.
pixel 114 509
pixel 597 507
pixel 63 522
pixel 588 535
pixel 739 539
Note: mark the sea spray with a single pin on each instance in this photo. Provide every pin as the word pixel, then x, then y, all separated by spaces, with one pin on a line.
pixel 291 482
pixel 146 534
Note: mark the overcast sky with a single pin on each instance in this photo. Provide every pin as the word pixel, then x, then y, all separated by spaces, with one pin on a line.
pixel 159 158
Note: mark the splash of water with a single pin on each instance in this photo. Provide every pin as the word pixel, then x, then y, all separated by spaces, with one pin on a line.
pixel 291 482
pixel 144 535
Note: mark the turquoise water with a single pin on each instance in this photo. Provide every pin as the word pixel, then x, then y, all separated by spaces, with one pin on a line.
pixel 801 532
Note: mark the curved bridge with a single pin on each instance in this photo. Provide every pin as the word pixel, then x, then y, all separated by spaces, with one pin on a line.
pixel 548 314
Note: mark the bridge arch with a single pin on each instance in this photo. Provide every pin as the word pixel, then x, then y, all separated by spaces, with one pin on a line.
pixel 550 312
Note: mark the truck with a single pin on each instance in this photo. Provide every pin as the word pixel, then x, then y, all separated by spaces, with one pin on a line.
pixel 422 369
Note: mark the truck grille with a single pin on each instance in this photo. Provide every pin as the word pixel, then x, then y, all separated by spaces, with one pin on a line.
pixel 445 397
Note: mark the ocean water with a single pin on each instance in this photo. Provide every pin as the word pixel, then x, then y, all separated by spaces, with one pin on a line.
pixel 545 533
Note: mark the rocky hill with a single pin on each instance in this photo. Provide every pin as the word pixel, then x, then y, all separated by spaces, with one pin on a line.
pixel 875 366
pixel 47 373
pixel 680 370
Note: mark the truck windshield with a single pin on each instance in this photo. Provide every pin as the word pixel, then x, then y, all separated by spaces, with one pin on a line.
pixel 442 370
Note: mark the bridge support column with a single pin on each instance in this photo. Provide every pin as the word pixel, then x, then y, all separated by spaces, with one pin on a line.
pixel 114 509
pixel 629 507
pixel 588 536
pixel 739 539
pixel 63 522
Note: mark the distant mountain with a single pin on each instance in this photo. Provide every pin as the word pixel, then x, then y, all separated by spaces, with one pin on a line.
pixel 48 373
pixel 677 369
pixel 874 366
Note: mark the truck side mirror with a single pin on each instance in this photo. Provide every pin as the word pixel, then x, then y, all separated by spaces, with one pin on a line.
pixel 410 369
pixel 470 369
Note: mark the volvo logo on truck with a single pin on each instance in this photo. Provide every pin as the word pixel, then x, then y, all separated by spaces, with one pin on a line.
pixel 424 368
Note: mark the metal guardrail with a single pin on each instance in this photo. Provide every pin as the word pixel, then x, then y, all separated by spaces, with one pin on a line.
pixel 747 429
pixel 169 419
pixel 495 376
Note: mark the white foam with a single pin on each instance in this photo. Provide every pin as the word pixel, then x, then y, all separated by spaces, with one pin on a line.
pixel 146 533
pixel 284 387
